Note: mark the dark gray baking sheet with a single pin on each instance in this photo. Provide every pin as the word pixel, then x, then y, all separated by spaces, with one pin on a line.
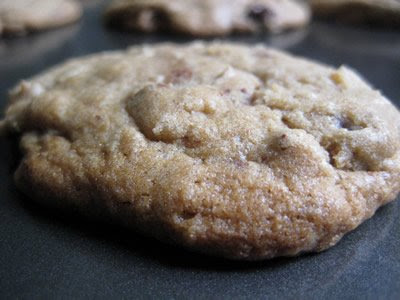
pixel 46 255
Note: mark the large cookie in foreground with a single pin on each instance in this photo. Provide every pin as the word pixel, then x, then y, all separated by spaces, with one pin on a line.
pixel 238 151
pixel 359 11
pixel 207 17
pixel 21 16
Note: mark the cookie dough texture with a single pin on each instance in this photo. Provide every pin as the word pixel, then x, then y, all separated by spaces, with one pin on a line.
pixel 207 17
pixel 362 11
pixel 22 16
pixel 238 151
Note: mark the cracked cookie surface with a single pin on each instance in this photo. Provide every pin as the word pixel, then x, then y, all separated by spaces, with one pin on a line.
pixel 359 11
pixel 22 16
pixel 208 17
pixel 239 151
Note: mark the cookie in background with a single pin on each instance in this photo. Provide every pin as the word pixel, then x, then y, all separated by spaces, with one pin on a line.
pixel 19 17
pixel 376 12
pixel 207 17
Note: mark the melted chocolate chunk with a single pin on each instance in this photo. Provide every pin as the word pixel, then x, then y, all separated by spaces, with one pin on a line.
pixel 259 13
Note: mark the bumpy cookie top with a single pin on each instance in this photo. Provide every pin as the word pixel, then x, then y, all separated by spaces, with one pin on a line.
pixel 21 16
pixel 208 17
pixel 240 151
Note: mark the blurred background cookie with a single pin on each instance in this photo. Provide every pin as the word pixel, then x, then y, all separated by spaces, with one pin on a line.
pixel 359 11
pixel 19 17
pixel 207 17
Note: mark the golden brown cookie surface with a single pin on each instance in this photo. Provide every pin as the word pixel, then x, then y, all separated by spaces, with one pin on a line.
pixel 238 151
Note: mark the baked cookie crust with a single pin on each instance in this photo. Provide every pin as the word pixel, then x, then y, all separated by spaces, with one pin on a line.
pixel 239 151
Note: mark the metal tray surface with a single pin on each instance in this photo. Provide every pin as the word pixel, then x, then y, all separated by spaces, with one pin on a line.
pixel 47 255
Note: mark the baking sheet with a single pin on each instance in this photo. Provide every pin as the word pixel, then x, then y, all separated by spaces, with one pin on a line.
pixel 47 255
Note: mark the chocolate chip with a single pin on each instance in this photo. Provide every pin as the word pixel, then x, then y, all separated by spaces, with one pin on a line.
pixel 259 13
pixel 160 19
pixel 346 123
pixel 179 75
pixel 226 92
pixel 190 143
pixel 240 163
pixel 188 215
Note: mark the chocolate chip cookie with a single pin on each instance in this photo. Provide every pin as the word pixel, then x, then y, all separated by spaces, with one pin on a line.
pixel 207 17
pixel 22 16
pixel 238 151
